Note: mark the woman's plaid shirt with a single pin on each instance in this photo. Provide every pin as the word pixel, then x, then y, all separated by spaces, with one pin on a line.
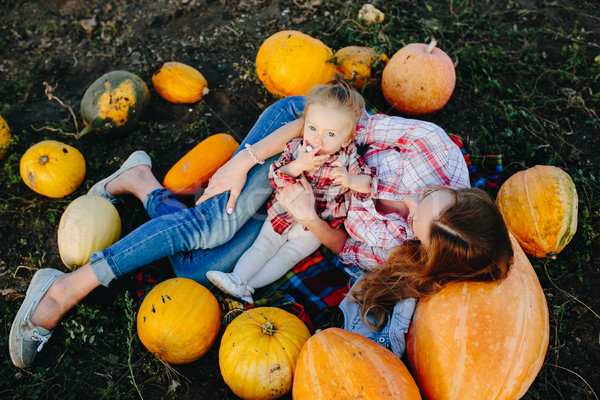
pixel 408 155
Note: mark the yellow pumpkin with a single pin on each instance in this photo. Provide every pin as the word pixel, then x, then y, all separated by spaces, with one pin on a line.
pixel 481 340
pixel 259 350
pixel 337 364
pixel 179 320
pixel 89 224
pixel 359 65
pixel 52 168
pixel 195 168
pixel 418 79
pixel 179 83
pixel 4 137
pixel 290 63
pixel 539 206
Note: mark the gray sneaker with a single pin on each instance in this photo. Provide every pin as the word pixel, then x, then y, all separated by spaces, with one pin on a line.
pixel 25 339
pixel 136 158
pixel 231 284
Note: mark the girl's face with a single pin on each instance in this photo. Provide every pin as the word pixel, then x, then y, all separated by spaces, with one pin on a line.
pixel 424 208
pixel 327 127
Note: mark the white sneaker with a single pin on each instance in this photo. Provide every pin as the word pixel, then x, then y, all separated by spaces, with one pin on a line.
pixel 231 284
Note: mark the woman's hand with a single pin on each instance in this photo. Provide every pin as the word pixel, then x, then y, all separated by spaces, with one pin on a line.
pixel 298 199
pixel 231 176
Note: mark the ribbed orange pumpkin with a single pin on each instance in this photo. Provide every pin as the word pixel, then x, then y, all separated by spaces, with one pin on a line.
pixel 359 65
pixel 478 340
pixel 4 137
pixel 259 350
pixel 290 63
pixel 418 79
pixel 337 364
pixel 539 206
pixel 52 168
pixel 195 168
pixel 179 320
pixel 179 83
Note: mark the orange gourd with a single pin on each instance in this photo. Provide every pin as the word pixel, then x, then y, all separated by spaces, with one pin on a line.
pixel 539 206
pixel 337 364
pixel 290 63
pixel 179 83
pixel 481 340
pixel 259 350
pixel 179 320
pixel 4 137
pixel 359 65
pixel 419 79
pixel 195 168
pixel 52 168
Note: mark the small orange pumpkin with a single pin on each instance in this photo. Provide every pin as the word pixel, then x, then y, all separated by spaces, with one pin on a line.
pixel 259 350
pixel 337 364
pixel 195 168
pixel 179 83
pixel 290 63
pixel 481 340
pixel 418 79
pixel 360 65
pixel 179 320
pixel 539 206
pixel 4 137
pixel 52 168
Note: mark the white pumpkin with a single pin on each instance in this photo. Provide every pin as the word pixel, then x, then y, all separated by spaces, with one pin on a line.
pixel 89 224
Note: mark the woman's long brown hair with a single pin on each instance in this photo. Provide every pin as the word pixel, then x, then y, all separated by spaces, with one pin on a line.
pixel 468 242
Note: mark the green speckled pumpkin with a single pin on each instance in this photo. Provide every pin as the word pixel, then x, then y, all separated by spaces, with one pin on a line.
pixel 114 103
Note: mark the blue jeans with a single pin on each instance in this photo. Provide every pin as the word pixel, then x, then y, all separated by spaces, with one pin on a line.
pixel 204 237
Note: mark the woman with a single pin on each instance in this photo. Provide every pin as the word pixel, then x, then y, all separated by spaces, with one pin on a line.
pixel 408 154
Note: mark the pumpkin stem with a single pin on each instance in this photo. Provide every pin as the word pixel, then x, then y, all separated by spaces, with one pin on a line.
pixel 85 130
pixel 268 328
pixel 43 160
pixel 431 46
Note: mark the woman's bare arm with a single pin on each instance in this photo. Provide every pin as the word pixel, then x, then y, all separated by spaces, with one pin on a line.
pixel 298 199
pixel 232 175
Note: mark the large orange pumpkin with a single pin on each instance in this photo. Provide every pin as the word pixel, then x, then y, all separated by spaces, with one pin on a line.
pixel 179 320
pixel 195 168
pixel 418 79
pixel 259 350
pixel 481 340
pixel 52 168
pixel 290 63
pixel 179 83
pixel 539 206
pixel 337 364
pixel 360 65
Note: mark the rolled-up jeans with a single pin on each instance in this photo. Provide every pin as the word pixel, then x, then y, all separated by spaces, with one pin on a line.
pixel 204 237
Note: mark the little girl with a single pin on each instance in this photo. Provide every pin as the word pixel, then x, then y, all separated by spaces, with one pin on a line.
pixel 327 157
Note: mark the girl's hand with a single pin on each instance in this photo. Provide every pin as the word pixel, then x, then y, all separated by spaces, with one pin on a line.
pixel 340 175
pixel 298 199
pixel 307 161
pixel 231 176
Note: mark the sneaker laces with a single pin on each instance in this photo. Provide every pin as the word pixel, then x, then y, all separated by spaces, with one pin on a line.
pixel 43 339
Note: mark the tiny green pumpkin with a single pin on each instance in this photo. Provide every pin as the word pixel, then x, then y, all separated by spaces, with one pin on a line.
pixel 114 103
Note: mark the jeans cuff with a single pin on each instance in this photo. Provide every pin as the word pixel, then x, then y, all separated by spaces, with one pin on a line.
pixel 102 270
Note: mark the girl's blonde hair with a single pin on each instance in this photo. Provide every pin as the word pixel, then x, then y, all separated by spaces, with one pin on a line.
pixel 469 241
pixel 339 94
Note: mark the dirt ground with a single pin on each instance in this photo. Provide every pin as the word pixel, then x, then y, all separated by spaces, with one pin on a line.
pixel 70 43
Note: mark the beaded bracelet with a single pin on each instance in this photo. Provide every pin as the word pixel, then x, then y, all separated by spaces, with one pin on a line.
pixel 256 160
